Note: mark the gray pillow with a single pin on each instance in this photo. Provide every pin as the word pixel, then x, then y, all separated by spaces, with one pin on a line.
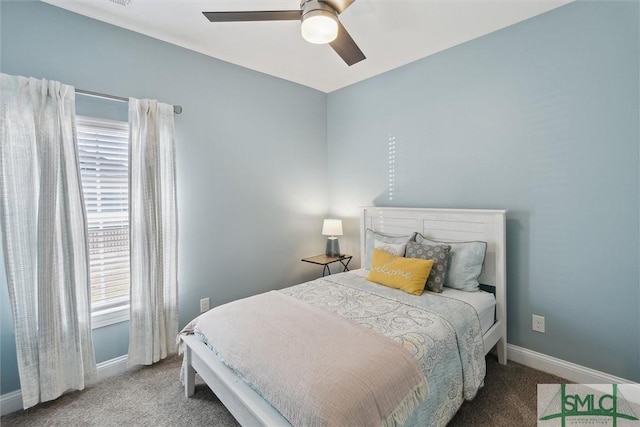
pixel 370 239
pixel 439 254
pixel 465 263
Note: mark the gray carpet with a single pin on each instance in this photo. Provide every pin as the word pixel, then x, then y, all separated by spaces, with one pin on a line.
pixel 153 396
pixel 508 398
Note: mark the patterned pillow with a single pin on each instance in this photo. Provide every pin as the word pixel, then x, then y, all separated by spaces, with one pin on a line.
pixel 370 239
pixel 439 254
pixel 465 263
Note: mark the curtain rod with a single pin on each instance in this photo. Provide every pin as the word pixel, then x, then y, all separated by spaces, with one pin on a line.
pixel 177 109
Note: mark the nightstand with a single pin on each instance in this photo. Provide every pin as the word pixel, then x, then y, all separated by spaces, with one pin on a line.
pixel 326 260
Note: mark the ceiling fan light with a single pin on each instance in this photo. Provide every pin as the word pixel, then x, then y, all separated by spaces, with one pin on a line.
pixel 319 27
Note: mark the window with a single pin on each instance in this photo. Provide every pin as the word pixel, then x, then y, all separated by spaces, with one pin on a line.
pixel 103 148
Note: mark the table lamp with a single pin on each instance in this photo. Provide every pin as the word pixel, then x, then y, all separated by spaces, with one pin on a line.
pixel 332 228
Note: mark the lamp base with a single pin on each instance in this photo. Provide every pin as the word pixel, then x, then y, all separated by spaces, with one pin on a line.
pixel 333 247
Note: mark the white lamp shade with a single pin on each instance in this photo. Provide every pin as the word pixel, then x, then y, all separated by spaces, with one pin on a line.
pixel 332 227
pixel 319 27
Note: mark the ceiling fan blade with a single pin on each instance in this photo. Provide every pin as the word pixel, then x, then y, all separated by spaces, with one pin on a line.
pixel 338 5
pixel 346 47
pixel 269 15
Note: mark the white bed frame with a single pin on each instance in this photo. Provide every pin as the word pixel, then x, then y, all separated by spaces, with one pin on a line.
pixel 250 409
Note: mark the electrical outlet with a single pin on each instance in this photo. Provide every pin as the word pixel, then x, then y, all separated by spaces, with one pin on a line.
pixel 537 323
pixel 204 305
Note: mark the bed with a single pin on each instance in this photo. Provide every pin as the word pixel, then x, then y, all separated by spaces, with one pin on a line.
pixel 445 225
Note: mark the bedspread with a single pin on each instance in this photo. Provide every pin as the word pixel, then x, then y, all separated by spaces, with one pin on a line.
pixel 316 368
pixel 443 334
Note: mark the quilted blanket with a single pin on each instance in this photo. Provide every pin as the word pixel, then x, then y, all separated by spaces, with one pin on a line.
pixel 316 368
pixel 442 333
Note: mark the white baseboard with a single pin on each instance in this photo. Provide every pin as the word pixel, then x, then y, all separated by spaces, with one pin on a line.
pixel 12 402
pixel 112 367
pixel 561 368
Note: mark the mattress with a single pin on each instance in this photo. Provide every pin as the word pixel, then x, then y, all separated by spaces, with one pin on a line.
pixel 483 302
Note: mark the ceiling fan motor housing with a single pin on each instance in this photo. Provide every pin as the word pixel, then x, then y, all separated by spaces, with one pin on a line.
pixel 309 6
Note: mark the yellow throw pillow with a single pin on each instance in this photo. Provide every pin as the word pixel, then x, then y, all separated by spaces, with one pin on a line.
pixel 407 274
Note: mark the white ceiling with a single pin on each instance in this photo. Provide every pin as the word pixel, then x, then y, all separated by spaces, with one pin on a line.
pixel 391 33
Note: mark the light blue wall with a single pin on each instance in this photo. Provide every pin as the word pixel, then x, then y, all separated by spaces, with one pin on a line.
pixel 542 119
pixel 251 156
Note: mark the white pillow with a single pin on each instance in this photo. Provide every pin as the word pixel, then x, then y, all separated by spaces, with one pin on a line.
pixel 465 263
pixel 370 239
pixel 396 249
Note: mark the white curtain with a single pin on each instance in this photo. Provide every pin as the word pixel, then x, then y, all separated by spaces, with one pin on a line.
pixel 45 238
pixel 153 324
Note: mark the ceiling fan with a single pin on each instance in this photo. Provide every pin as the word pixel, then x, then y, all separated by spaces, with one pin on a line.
pixel 320 24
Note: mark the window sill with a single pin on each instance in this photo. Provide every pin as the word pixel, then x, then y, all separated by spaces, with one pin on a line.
pixel 110 316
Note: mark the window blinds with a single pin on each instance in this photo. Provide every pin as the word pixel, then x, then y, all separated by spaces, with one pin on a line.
pixel 103 148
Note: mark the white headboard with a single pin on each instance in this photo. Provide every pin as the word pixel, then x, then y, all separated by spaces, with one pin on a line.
pixel 450 225
pixel 457 225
